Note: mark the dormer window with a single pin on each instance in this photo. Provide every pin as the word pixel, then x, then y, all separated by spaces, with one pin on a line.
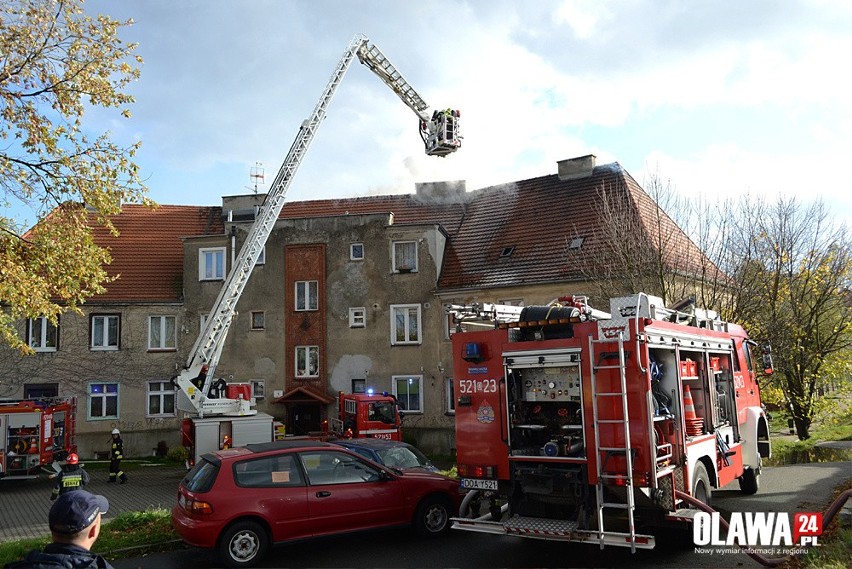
pixel 507 251
pixel 576 243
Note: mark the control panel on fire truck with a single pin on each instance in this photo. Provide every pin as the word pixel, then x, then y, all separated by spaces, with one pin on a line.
pixel 551 383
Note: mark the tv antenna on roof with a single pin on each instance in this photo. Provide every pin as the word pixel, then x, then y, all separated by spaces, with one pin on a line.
pixel 256 175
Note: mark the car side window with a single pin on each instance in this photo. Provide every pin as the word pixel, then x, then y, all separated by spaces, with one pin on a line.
pixel 332 467
pixel 280 470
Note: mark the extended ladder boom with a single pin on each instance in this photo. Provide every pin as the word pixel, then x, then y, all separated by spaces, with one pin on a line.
pixel 195 381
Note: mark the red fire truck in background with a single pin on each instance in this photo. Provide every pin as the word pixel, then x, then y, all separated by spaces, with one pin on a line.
pixel 368 415
pixel 578 425
pixel 34 433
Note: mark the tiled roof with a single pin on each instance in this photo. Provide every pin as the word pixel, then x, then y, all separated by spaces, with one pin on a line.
pixel 148 254
pixel 538 218
pixel 406 208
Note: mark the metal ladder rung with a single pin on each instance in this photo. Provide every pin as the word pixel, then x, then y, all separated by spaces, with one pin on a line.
pixel 617 505
pixel 610 421
pixel 607 367
pixel 616 477
pixel 609 393
pixel 614 449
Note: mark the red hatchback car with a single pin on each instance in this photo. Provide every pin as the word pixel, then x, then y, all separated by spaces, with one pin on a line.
pixel 242 500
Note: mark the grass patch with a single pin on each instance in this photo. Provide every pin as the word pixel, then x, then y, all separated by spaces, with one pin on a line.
pixel 130 534
pixel 785 451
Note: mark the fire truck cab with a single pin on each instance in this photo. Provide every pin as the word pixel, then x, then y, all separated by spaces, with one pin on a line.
pixel 33 434
pixel 368 415
pixel 578 425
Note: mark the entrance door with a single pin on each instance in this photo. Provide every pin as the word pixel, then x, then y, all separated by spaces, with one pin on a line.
pixel 304 418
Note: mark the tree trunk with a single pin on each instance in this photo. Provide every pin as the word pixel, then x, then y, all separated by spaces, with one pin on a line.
pixel 803 428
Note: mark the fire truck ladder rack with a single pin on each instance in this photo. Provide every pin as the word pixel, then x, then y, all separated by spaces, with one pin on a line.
pixel 603 452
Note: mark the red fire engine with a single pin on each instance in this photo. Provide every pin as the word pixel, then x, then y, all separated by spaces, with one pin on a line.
pixel 577 425
pixel 368 415
pixel 35 433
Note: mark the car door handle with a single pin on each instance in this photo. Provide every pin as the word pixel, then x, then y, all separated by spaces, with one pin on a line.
pixel 323 494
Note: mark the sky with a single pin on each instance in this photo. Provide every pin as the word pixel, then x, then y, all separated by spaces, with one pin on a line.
pixel 722 98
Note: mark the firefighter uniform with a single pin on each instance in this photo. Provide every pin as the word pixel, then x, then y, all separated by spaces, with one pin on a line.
pixel 116 454
pixel 71 477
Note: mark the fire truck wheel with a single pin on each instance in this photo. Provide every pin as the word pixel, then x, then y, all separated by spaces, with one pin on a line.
pixel 432 516
pixel 750 480
pixel 701 489
pixel 243 544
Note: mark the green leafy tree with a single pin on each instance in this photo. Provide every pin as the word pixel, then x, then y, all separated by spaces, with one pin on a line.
pixel 792 290
pixel 55 64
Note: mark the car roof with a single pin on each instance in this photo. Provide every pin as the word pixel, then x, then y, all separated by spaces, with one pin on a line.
pixel 371 443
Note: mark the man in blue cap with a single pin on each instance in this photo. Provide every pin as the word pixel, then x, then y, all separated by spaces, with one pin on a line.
pixel 75 523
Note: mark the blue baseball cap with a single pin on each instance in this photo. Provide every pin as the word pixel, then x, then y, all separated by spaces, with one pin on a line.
pixel 74 511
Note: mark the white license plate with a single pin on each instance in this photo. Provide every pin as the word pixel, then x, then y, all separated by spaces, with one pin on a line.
pixel 477 484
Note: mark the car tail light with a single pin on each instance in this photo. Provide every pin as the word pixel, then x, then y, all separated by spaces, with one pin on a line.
pixel 192 506
pixel 476 471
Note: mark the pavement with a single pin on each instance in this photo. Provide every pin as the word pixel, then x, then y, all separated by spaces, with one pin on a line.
pixel 24 504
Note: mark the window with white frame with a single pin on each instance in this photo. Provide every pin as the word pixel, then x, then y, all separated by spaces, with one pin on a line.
pixel 405 324
pixel 356 251
pixel 357 317
pixel 258 388
pixel 162 334
pixel 102 400
pixel 211 264
pixel 105 329
pixel 451 397
pixel 307 361
pixel 261 257
pixel 42 336
pixel 161 399
pixel 404 256
pixel 258 320
pixel 409 393
pixel 307 294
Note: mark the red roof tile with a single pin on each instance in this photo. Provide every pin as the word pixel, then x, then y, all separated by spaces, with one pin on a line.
pixel 148 253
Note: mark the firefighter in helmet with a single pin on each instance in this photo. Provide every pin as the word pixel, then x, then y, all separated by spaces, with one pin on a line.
pixel 71 477
pixel 115 456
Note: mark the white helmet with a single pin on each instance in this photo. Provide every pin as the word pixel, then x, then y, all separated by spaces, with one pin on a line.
pixel 115 432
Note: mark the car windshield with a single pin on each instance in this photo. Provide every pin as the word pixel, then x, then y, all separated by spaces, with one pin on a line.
pixel 403 457
pixel 201 477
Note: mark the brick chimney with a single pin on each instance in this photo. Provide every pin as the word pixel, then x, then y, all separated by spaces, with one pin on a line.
pixel 574 168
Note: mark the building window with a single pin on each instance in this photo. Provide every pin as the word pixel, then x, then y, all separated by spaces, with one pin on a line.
pixel 451 397
pixel 358 317
pixel 258 388
pixel 258 320
pixel 211 264
pixel 407 390
pixel 356 251
pixel 41 390
pixel 42 336
pixel 261 257
pixel 405 324
pixel 405 256
pixel 307 295
pixel 307 361
pixel 359 386
pixel 105 331
pixel 103 401
pixel 161 333
pixel 161 399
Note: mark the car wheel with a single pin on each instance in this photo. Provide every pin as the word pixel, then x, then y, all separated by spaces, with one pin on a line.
pixel 750 480
pixel 701 489
pixel 432 516
pixel 243 544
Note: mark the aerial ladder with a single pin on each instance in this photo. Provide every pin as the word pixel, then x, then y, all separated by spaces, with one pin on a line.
pixel 440 133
